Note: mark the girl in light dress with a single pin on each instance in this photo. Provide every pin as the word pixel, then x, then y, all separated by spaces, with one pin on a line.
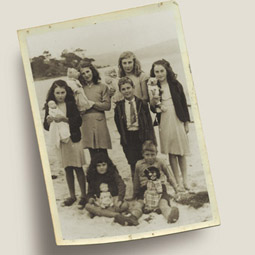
pixel 71 151
pixel 173 127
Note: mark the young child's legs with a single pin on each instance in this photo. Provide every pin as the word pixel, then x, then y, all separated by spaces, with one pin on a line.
pixel 81 180
pixel 70 184
pixel 133 150
pixel 171 214
pixel 135 212
pixel 183 167
pixel 98 211
pixel 82 183
pixel 174 163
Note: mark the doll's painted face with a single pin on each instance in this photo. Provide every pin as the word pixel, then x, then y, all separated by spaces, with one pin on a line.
pixel 113 74
pixel 52 104
pixel 127 91
pixel 150 157
pixel 103 187
pixel 72 73
pixel 87 74
pixel 128 65
pixel 160 72
pixel 60 94
pixel 102 167
pixel 153 175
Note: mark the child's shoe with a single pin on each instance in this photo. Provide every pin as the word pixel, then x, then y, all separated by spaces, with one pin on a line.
pixel 174 215
pixel 82 203
pixel 126 220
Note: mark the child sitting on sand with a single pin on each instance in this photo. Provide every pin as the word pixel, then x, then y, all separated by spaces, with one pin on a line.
pixel 171 214
pixel 59 132
pixel 102 171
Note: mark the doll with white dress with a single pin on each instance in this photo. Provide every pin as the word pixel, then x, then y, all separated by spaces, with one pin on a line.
pixel 59 132
pixel 105 199
pixel 81 99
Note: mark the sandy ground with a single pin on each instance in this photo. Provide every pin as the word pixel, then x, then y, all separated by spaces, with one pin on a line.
pixel 76 224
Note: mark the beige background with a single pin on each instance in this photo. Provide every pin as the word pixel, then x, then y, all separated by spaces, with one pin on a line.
pixel 220 41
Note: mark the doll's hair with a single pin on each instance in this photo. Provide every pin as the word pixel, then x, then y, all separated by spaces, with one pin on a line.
pixel 148 171
pixel 125 80
pixel 60 84
pixel 100 157
pixel 170 75
pixel 149 145
pixel 95 74
pixel 137 70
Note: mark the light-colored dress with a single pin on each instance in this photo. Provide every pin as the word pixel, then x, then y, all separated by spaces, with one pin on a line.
pixel 173 138
pixel 71 153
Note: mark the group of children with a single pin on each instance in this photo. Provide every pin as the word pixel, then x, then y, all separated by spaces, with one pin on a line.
pixel 65 103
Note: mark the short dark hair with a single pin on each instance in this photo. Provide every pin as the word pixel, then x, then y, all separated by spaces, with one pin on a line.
pixel 149 145
pixel 125 80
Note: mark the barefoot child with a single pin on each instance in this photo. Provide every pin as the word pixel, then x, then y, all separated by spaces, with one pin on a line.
pixel 171 214
pixel 133 121
pixel 72 152
pixel 103 173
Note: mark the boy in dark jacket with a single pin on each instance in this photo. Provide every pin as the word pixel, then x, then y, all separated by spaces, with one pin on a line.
pixel 133 121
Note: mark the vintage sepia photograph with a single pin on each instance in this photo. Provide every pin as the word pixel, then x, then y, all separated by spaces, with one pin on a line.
pixel 118 126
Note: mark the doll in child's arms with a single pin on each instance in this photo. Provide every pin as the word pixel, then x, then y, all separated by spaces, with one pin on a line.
pixel 154 190
pixel 81 99
pixel 155 94
pixel 59 131
pixel 105 199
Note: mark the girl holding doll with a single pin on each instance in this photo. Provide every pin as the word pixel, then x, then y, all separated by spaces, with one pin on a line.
pixel 95 133
pixel 106 189
pixel 71 150
pixel 173 127
pixel 130 66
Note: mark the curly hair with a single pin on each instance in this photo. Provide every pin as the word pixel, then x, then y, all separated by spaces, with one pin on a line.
pixel 96 76
pixel 170 75
pixel 137 70
pixel 100 157
pixel 61 84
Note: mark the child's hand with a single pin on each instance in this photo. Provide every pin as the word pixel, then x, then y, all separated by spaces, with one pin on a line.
pixel 119 203
pixel 186 127
pixel 60 118
pixel 91 201
pixel 112 91
pixel 49 119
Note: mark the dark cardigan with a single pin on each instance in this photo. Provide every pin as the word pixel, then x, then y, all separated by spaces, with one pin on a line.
pixel 74 118
pixel 179 101
pixel 146 130
pixel 115 183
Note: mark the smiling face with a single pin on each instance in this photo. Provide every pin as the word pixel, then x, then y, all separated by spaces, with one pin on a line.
pixel 149 157
pixel 101 167
pixel 160 73
pixel 60 94
pixel 128 65
pixel 127 91
pixel 87 74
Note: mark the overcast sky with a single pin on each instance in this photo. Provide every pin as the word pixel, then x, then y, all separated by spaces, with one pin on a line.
pixel 118 35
